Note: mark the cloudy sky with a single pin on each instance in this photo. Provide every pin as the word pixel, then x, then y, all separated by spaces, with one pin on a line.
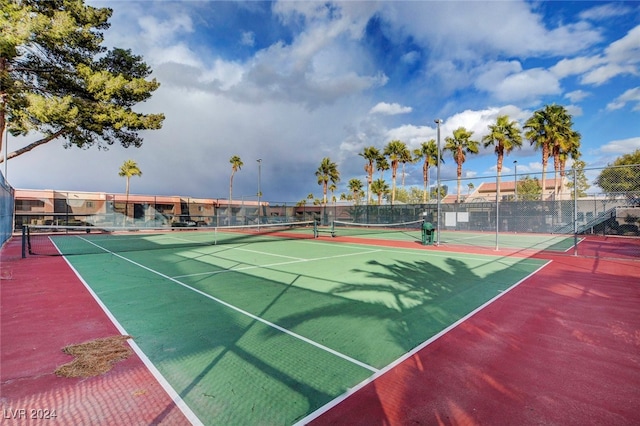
pixel 292 82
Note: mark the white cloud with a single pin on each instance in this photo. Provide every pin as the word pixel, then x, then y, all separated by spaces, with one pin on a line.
pixel 390 109
pixel 626 49
pixel 470 30
pixel 411 134
pixel 629 96
pixel 574 66
pixel 576 95
pixel 622 146
pixel 507 81
pixel 620 58
pixel 574 110
pixel 410 57
pixel 603 74
pixel 605 11
pixel 248 38
pixel 162 32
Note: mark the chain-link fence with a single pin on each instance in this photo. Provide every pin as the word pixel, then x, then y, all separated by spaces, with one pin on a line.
pixel 602 201
pixel 6 209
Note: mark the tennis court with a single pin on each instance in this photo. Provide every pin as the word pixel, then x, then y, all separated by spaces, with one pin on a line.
pixel 269 330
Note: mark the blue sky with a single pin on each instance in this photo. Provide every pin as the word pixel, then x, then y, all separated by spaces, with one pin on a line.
pixel 292 82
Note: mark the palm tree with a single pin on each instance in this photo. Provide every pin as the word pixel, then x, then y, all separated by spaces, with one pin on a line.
pixel 355 186
pixel 382 165
pixel 550 130
pixel 404 159
pixel 537 132
pixel 380 188
pixel 236 164
pixel 333 188
pixel 505 136
pixel 459 145
pixel 327 172
pixel 428 151
pixel 566 145
pixel 129 168
pixel 395 150
pixel 571 151
pixel 371 154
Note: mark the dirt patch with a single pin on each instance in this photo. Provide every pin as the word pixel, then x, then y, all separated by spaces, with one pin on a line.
pixel 94 357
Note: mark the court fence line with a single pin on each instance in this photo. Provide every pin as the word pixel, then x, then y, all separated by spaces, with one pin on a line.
pixel 600 201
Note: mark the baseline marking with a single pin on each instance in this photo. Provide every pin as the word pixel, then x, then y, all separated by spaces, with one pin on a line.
pixel 175 397
pixel 408 355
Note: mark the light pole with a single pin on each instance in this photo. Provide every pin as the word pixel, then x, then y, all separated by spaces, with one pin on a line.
pixel 259 160
pixel 6 147
pixel 515 173
pixel 438 122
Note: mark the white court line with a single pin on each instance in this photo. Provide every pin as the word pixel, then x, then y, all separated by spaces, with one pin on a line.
pixel 429 253
pixel 269 265
pixel 270 254
pixel 175 397
pixel 408 355
pixel 242 311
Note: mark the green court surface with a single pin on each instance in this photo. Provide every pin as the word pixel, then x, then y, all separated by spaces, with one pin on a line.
pixel 270 331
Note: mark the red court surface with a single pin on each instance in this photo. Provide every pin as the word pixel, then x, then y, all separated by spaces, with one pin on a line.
pixel 562 348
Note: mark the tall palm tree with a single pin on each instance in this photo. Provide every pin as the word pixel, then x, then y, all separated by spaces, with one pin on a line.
pixel 460 145
pixel 129 168
pixel 327 172
pixel 505 136
pixel 404 159
pixel 380 188
pixel 538 134
pixel 382 165
pixel 395 151
pixel 371 154
pixel 550 129
pixel 333 188
pixel 566 147
pixel 429 151
pixel 236 164
pixel 571 151
pixel 355 186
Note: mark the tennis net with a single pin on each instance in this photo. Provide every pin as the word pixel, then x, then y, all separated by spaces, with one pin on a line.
pixel 343 228
pixel 73 240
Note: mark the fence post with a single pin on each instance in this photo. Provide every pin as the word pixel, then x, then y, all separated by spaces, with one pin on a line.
pixel 24 241
pixel 497 209
pixel 575 212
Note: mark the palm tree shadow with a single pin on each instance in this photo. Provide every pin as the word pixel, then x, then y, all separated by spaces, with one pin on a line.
pixel 409 300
